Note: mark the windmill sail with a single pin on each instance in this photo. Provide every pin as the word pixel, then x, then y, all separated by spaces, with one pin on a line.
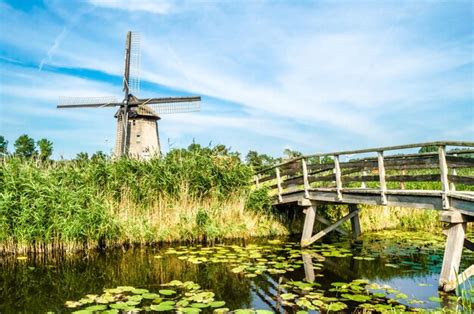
pixel 87 102
pixel 135 57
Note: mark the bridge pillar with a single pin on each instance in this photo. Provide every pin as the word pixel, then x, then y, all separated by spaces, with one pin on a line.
pixel 310 215
pixel 451 275
pixel 355 222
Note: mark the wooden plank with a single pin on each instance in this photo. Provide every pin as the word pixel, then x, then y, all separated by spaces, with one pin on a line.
pixel 452 256
pixel 279 184
pixel 355 222
pixel 308 267
pixel 267 178
pixel 322 233
pixel 443 167
pixel 460 179
pixel 363 185
pixel 308 226
pixel 305 177
pixel 288 182
pixel 383 184
pixel 323 220
pixel 337 170
pixel 396 178
pixel 459 162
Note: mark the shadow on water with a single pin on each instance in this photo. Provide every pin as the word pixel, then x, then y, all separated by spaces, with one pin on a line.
pixel 405 268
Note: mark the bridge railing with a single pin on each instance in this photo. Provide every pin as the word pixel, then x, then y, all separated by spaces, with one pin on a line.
pixel 376 170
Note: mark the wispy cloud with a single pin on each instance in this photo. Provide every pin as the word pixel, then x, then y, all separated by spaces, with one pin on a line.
pixel 151 6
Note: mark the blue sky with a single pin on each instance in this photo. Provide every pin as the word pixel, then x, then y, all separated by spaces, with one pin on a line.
pixel 315 76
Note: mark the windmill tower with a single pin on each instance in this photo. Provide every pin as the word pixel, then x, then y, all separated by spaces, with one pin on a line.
pixel 137 127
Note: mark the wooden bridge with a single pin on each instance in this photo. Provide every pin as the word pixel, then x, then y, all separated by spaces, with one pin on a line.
pixel 388 176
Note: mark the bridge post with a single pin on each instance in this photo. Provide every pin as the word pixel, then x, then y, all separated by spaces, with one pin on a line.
pixel 443 166
pixel 449 277
pixel 355 222
pixel 310 215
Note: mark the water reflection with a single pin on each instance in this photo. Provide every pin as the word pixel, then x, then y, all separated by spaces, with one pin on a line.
pixel 43 283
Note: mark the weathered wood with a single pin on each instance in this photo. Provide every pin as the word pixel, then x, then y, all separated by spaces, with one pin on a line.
pixel 468 245
pixel 443 167
pixel 323 220
pixel 452 186
pixel 355 222
pixel 396 178
pixel 453 216
pixel 452 256
pixel 279 184
pixel 308 267
pixel 305 177
pixel 322 233
pixel 460 180
pixel 388 148
pixel 459 162
pixel 268 178
pixel 337 170
pixel 363 185
pixel 383 184
pixel 308 226
pixel 257 182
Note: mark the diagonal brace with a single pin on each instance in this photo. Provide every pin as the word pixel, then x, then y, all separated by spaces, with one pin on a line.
pixel 322 233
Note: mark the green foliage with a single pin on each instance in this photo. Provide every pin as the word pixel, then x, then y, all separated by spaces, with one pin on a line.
pixel 260 161
pixel 290 154
pixel 82 156
pixel 428 149
pixel 259 201
pixel 45 149
pixel 77 201
pixel 25 146
pixel 3 146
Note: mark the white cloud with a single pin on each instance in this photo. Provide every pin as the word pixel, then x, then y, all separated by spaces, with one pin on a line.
pixel 151 6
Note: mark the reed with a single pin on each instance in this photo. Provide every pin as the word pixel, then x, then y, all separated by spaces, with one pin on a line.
pixel 191 194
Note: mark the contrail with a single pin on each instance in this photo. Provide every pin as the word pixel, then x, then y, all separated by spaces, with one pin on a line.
pixel 61 36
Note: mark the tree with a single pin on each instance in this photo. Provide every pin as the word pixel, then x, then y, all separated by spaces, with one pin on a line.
pixel 46 149
pixel 259 161
pixel 292 153
pixel 82 156
pixel 25 146
pixel 3 146
pixel 428 149
pixel 99 155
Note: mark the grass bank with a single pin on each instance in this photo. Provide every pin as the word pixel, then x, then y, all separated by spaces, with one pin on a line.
pixel 188 195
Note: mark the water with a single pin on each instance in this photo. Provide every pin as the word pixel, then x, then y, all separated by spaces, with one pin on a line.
pixel 398 268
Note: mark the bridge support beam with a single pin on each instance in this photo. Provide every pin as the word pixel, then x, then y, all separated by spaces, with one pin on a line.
pixel 355 222
pixel 451 276
pixel 310 215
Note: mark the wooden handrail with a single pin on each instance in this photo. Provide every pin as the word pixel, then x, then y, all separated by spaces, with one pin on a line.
pixel 384 149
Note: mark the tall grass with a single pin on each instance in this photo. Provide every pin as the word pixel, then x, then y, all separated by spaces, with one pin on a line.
pixel 189 195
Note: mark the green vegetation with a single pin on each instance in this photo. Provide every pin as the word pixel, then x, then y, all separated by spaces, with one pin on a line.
pixel 25 146
pixel 190 194
pixel 193 194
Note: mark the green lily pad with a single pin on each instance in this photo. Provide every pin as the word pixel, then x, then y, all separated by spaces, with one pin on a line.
pixel 167 292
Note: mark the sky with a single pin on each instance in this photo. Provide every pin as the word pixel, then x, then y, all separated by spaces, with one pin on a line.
pixel 313 76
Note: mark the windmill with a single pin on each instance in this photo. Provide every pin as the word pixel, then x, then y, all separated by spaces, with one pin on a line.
pixel 137 127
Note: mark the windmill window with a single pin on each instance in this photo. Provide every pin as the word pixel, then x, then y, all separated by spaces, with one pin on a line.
pixel 138 138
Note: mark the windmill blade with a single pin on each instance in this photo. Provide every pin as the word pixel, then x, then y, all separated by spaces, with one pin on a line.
pixel 134 65
pixel 181 107
pixel 166 100
pixel 87 102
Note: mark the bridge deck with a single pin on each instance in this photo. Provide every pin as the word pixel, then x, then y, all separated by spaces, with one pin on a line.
pixel 424 199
